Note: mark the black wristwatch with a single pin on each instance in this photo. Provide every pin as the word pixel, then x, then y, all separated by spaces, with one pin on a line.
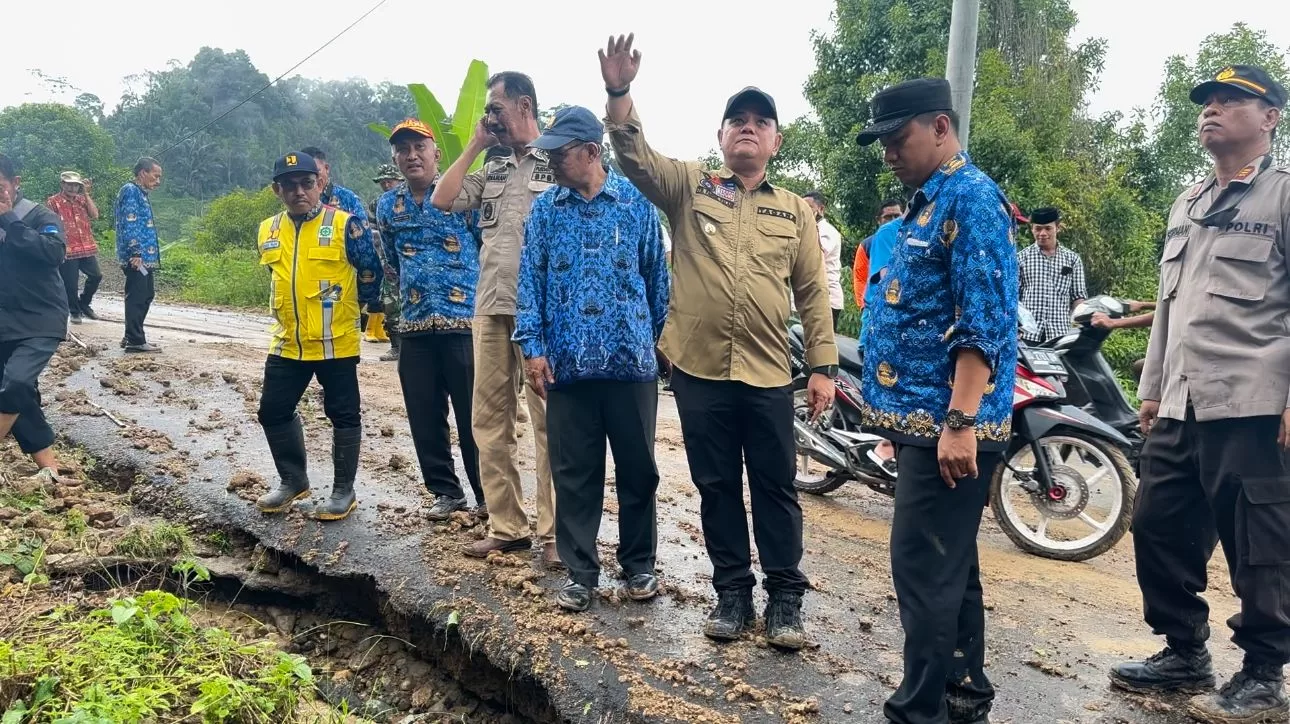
pixel 958 420
pixel 830 371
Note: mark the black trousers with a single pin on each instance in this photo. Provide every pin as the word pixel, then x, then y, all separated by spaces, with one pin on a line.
pixel 71 271
pixel 285 382
pixel 937 577
pixel 1205 482
pixel 140 289
pixel 434 368
pixel 728 426
pixel 22 361
pixel 580 417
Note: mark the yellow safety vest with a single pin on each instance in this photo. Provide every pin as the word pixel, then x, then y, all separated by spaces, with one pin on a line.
pixel 314 289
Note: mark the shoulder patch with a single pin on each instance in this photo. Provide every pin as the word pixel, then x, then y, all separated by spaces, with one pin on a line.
pixel 780 213
pixel 49 229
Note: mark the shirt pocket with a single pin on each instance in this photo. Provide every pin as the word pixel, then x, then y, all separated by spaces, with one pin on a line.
pixel 714 235
pixel 490 204
pixel 1238 269
pixel 279 288
pixel 327 263
pixel 1171 262
pixel 775 246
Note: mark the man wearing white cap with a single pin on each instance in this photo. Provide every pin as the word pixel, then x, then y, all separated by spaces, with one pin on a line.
pixel 76 208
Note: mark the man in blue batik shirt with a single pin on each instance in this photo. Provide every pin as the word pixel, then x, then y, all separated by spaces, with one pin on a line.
pixel 139 251
pixel 435 256
pixel 939 365
pixel 593 295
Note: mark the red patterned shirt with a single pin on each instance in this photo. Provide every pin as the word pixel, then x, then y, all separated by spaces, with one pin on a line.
pixel 76 225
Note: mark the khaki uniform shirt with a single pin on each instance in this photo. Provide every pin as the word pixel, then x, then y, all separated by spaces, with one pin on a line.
pixel 503 191
pixel 1221 338
pixel 735 254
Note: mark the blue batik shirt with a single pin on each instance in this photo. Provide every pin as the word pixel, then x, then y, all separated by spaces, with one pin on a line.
pixel 136 232
pixel 435 255
pixel 339 197
pixel 951 284
pixel 593 284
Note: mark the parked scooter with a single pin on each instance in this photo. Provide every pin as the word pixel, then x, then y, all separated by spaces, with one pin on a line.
pixel 1091 384
pixel 1064 490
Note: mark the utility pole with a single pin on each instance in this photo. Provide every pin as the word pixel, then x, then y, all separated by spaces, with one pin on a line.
pixel 960 65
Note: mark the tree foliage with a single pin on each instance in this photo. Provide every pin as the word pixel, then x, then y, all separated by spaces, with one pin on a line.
pixel 233 220
pixel 46 139
pixel 452 133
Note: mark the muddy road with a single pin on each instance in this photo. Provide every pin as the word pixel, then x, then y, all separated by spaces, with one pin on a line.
pixel 185 421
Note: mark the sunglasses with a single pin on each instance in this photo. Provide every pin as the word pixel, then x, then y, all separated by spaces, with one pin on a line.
pixel 1219 218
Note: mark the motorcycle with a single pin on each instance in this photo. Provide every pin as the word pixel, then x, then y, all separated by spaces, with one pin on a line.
pixel 1064 489
pixel 1091 384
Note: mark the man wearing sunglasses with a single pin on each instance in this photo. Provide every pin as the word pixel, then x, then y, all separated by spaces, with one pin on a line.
pixel 322 265
pixel 1216 401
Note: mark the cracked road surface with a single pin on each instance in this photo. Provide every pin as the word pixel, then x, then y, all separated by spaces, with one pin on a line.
pixel 1053 628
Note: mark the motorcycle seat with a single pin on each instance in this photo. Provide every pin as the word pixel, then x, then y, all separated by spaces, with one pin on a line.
pixel 849 355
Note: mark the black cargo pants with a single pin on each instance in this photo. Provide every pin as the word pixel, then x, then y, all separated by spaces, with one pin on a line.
pixel 1205 482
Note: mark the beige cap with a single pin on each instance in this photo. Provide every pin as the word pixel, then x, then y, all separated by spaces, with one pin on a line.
pixel 71 177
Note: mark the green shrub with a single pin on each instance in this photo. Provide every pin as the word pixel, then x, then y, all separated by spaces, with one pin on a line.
pixel 232 278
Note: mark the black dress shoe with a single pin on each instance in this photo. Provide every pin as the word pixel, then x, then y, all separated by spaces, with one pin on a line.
pixel 642 586
pixel 573 596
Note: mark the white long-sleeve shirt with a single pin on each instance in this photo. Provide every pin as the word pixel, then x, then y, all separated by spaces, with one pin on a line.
pixel 831 244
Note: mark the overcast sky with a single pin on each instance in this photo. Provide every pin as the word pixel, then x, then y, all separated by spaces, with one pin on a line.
pixel 695 53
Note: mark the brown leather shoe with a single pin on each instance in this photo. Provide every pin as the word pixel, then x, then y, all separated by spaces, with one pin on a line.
pixel 551 557
pixel 481 548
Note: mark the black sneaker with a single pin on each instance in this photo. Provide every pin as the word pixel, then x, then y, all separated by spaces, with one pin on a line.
pixel 784 621
pixel 732 616
pixel 642 586
pixel 76 318
pixel 573 596
pixel 1255 695
pixel 144 348
pixel 1171 670
pixel 88 312
pixel 444 507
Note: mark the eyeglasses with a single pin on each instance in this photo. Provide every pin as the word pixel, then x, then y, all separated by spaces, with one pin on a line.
pixel 303 184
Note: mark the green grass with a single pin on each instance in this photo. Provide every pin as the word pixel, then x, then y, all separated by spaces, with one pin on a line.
pixel 142 658
pixel 163 540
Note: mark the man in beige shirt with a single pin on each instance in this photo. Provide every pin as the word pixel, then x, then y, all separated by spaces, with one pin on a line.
pixel 739 243
pixel 1216 406
pixel 503 191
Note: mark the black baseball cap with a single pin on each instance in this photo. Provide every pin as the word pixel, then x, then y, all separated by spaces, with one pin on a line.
pixel 1250 79
pixel 893 107
pixel 294 162
pixel 751 94
pixel 573 123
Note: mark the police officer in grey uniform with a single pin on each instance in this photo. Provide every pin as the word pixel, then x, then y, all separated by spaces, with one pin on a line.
pixel 1216 405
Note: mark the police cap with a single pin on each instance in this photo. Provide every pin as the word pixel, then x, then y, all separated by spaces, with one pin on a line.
pixel 294 162
pixel 893 107
pixel 1249 79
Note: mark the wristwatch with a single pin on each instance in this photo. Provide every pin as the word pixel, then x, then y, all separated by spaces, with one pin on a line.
pixel 830 371
pixel 958 420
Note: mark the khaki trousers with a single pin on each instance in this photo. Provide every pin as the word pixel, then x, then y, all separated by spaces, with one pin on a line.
pixel 499 376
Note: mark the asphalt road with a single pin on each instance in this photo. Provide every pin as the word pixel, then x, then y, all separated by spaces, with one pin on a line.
pixel 1053 628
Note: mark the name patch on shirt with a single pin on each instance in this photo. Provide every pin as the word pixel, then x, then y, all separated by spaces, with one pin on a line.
pixel 497 176
pixel 1254 228
pixel 719 191
pixel 1178 231
pixel 779 213
pixel 270 244
pixel 542 173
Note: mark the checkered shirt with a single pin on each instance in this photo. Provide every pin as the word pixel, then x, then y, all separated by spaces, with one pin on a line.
pixel 1049 285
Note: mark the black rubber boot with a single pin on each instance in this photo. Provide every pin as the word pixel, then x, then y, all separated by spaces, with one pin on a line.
pixel 1178 668
pixel 784 621
pixel 1254 696
pixel 344 456
pixel 732 616
pixel 287 445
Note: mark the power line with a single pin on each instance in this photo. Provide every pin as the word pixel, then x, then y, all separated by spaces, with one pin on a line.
pixel 266 86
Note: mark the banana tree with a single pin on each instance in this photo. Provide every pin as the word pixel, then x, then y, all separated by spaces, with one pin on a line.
pixel 451 132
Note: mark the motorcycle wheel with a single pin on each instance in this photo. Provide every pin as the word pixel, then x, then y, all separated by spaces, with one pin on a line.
pixel 1110 460
pixel 804 479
